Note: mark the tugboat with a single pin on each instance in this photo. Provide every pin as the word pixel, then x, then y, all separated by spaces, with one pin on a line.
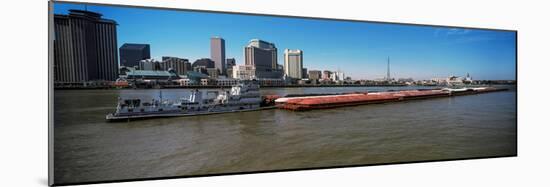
pixel 244 96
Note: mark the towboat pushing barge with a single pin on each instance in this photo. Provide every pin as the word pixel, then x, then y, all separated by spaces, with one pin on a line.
pixel 245 96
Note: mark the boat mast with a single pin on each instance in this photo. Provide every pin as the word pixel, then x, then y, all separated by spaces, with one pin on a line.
pixel 160 95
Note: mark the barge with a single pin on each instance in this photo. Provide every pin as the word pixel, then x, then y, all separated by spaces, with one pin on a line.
pixel 352 99
pixel 245 97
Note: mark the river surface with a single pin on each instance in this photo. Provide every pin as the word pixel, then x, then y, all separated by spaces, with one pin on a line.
pixel 88 149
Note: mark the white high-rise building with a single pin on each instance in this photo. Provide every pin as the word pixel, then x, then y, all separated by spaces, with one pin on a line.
pixel 340 75
pixel 293 63
pixel 337 75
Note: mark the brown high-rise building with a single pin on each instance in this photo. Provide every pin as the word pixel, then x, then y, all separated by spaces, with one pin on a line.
pixel 85 47
pixel 262 56
pixel 217 53
pixel 180 65
pixel 314 74
pixel 326 75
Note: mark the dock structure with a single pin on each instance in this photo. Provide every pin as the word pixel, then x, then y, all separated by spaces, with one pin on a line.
pixel 352 99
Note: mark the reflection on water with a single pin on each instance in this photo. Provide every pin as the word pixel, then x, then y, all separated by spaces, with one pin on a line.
pixel 87 148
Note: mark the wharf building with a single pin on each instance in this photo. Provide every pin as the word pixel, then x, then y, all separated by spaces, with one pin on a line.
pixel 134 75
pixel 217 53
pixel 143 77
pixel 85 48
pixel 262 56
pixel 293 66
pixel 131 54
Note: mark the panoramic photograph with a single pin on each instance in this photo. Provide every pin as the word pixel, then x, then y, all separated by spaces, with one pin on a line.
pixel 149 93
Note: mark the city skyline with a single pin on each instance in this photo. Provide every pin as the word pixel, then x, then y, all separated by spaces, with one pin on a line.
pixel 360 49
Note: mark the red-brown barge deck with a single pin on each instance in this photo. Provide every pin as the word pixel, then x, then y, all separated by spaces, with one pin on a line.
pixel 351 99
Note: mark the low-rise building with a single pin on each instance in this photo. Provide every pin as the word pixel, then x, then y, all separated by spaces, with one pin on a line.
pixel 244 72
pixel 213 72
pixel 271 82
pixel 184 82
pixel 226 82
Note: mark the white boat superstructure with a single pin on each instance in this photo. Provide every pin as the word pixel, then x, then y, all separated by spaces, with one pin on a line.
pixel 243 96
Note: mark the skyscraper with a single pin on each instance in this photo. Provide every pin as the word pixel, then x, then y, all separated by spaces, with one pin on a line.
pixel 293 63
pixel 262 56
pixel 131 54
pixel 85 47
pixel 217 53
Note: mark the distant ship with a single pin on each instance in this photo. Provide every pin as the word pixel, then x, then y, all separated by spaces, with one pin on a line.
pixel 245 96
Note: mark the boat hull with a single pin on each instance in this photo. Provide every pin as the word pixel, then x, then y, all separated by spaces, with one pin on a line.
pixel 120 118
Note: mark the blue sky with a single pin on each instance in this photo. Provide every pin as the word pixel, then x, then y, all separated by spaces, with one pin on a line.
pixel 359 49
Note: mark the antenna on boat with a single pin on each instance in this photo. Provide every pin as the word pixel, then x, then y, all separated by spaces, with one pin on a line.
pixel 160 95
